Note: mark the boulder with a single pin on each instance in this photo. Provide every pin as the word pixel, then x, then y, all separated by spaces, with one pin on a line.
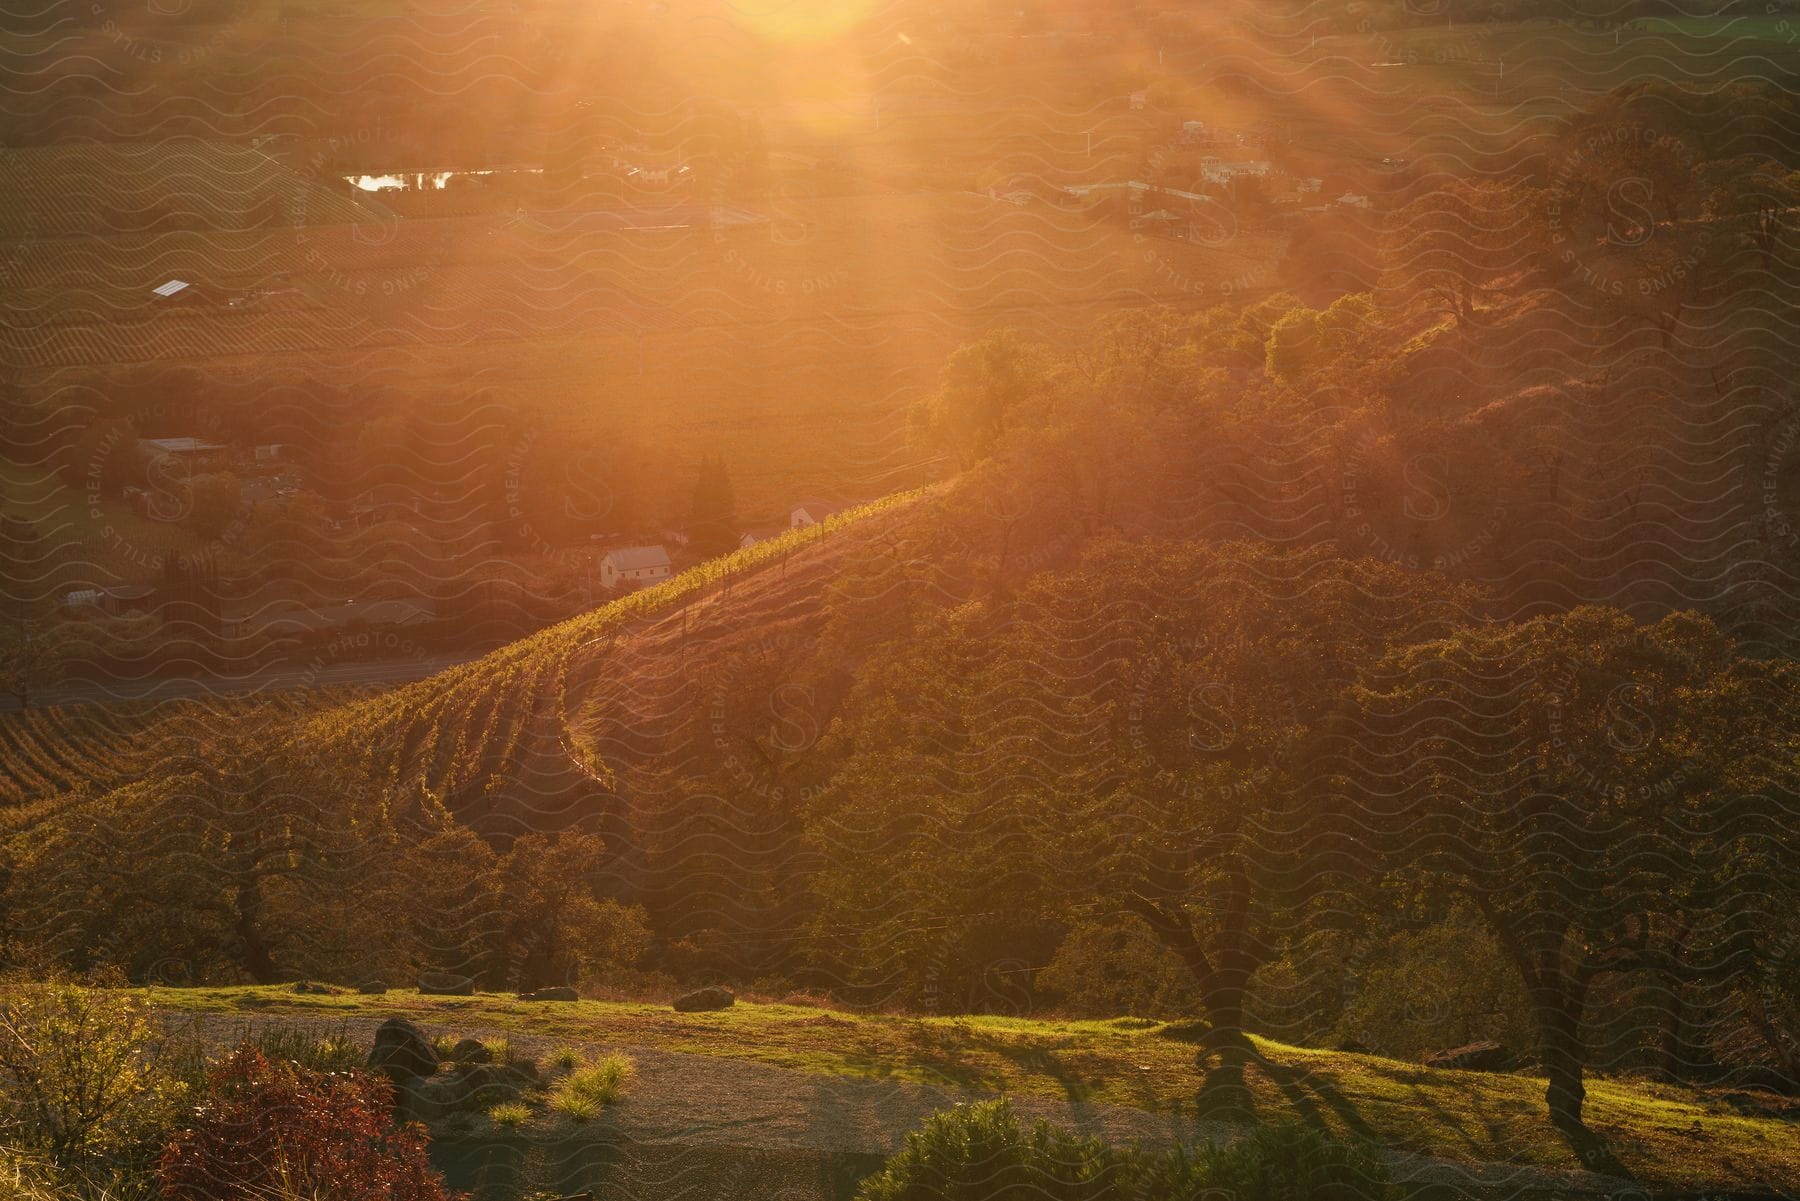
pixel 402 1051
pixel 471 1050
pixel 307 986
pixel 500 1092
pixel 702 999
pixel 551 994
pixel 436 1097
pixel 446 984
pixel 489 1075
pixel 371 988
pixel 1475 1057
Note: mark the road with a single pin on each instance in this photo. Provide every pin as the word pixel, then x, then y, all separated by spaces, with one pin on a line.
pixel 276 679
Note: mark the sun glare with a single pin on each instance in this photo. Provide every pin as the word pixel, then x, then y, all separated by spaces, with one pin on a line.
pixel 800 22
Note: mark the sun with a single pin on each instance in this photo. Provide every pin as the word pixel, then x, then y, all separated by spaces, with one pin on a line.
pixel 800 21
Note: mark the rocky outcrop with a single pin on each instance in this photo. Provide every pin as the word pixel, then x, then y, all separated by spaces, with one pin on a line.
pixel 702 999
pixel 402 1052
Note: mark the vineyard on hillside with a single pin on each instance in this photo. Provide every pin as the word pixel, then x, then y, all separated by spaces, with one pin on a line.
pixel 56 751
pixel 471 729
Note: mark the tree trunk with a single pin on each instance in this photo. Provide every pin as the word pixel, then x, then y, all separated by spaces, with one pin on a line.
pixel 1224 983
pixel 1557 1003
pixel 1559 1051
pixel 254 954
pixel 1671 1050
pixel 1225 1052
pixel 1558 998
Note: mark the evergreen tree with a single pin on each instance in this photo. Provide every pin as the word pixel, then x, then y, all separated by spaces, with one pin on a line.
pixel 712 521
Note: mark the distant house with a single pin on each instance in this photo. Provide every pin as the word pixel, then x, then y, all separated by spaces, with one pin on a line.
pixel 1192 133
pixel 761 533
pixel 634 567
pixel 176 292
pixel 193 454
pixel 1162 221
pixel 270 451
pixel 116 600
pixel 1218 172
pixel 810 513
pixel 183 448
pixel 1140 99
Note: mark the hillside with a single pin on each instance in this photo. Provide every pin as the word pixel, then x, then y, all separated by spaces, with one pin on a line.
pixel 1097 1072
pixel 533 735
pixel 54 751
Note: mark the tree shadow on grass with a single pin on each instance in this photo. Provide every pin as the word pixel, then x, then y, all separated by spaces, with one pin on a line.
pixel 1044 1062
pixel 1312 1097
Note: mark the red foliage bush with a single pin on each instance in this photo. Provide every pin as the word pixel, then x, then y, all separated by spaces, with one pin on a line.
pixel 279 1130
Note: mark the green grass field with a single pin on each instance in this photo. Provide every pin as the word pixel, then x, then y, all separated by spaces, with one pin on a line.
pixel 1668 1136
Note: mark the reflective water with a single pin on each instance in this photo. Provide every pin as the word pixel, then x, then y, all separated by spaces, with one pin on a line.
pixel 426 181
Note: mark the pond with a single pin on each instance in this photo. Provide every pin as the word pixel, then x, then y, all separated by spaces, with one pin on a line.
pixel 428 181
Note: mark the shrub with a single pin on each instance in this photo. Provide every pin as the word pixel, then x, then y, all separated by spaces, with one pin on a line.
pixel 510 1114
pixel 277 1129
pixel 24 1178
pixel 565 1059
pixel 983 1153
pixel 83 1073
pixel 587 1089
pixel 334 1053
pixel 1118 966
pixel 1287 1161
pixel 500 1049
pixel 1440 986
pixel 576 1106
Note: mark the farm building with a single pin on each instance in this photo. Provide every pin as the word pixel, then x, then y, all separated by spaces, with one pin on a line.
pixel 810 513
pixel 180 292
pixel 634 567
pixel 761 533
pixel 186 448
pixel 118 599
pixel 195 454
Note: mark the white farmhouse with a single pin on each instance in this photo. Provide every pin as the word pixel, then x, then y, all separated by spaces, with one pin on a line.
pixel 810 513
pixel 634 567
pixel 761 533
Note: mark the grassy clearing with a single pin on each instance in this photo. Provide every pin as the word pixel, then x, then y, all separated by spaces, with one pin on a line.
pixel 1666 1135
